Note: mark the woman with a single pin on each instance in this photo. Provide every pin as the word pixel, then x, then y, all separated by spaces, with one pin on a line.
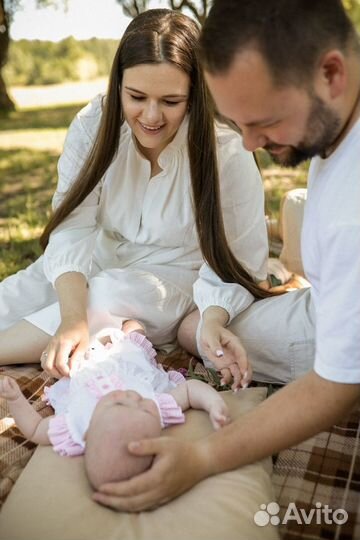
pixel 138 196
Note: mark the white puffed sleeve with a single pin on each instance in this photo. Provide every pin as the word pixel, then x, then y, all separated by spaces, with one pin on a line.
pixel 210 290
pixel 71 243
pixel 242 198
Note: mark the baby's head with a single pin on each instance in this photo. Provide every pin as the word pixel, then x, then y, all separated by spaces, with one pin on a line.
pixel 119 417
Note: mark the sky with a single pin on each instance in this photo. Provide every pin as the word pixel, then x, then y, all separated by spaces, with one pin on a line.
pixel 84 19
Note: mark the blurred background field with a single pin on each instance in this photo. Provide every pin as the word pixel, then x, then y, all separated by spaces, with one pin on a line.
pixel 59 54
pixel 31 140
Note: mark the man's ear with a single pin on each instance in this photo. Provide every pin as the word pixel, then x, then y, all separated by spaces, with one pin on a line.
pixel 333 73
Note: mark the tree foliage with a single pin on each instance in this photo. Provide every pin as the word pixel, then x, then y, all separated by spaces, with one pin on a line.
pixel 6 104
pixel 198 9
pixel 7 10
pixel 353 8
pixel 11 6
pixel 132 8
pixel 45 62
pixel 60 69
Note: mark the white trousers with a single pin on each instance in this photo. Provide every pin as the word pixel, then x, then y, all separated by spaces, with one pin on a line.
pixel 290 225
pixel 279 336
pixel 279 333
pixel 114 295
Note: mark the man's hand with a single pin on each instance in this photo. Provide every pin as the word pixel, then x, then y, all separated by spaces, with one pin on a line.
pixel 178 465
pixel 293 414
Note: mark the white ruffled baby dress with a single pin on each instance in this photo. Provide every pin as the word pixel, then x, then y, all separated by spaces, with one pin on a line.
pixel 127 362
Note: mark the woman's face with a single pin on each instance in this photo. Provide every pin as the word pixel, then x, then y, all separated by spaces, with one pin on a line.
pixel 154 100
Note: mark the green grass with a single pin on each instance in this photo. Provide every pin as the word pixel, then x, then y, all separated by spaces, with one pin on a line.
pixel 278 180
pixel 27 181
pixel 49 117
pixel 276 183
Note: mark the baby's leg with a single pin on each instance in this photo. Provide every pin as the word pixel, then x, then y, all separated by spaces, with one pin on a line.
pixel 22 343
pixel 142 296
pixel 128 326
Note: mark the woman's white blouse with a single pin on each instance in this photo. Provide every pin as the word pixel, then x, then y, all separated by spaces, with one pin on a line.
pixel 133 220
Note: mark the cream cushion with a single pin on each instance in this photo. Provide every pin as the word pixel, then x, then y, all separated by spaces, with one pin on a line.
pixel 52 498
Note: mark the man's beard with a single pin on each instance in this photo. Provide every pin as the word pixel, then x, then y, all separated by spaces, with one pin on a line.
pixel 322 128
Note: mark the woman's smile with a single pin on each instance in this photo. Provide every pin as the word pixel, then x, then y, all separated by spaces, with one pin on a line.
pixel 154 101
pixel 151 130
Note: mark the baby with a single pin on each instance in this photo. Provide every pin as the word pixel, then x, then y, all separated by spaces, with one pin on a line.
pixel 117 395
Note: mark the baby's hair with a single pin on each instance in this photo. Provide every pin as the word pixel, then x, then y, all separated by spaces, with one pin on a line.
pixel 107 458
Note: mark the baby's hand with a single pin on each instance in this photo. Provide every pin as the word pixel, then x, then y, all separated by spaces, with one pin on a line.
pixel 219 414
pixel 9 389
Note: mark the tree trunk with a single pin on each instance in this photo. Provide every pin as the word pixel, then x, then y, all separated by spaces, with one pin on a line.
pixel 6 104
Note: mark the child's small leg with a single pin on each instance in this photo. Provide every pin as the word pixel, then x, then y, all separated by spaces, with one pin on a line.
pixel 128 326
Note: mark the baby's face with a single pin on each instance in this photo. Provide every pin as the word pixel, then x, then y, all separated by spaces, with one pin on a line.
pixel 129 399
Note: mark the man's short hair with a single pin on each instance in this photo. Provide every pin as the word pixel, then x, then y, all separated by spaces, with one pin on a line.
pixel 291 35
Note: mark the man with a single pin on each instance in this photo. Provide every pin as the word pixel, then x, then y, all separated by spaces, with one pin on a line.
pixel 288 73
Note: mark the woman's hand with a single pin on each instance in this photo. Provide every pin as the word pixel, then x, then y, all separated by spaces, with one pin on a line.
pixel 224 349
pixel 68 345
pixel 71 340
pixel 178 465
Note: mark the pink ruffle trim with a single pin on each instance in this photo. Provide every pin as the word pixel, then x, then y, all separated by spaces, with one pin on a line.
pixel 145 344
pixel 45 396
pixel 61 439
pixel 170 411
pixel 176 377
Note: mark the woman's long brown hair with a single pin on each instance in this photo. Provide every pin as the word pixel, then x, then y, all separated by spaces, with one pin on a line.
pixel 156 36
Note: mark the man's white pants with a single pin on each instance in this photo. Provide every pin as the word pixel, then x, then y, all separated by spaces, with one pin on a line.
pixel 279 333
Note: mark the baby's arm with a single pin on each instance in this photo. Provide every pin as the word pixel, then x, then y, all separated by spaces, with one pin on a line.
pixel 30 423
pixel 199 395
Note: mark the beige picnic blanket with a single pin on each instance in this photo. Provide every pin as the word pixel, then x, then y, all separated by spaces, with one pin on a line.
pixel 325 469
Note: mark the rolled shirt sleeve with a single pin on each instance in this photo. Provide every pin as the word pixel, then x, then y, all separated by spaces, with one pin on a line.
pixel 242 197
pixel 210 290
pixel 71 244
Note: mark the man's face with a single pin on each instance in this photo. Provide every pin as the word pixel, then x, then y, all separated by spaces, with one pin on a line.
pixel 290 122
